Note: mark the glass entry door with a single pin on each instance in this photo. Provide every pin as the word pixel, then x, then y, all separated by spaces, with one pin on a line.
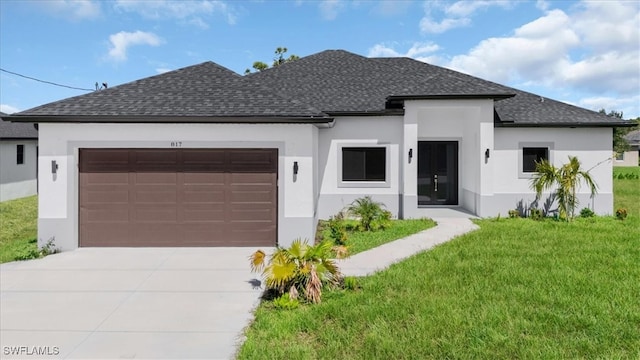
pixel 437 173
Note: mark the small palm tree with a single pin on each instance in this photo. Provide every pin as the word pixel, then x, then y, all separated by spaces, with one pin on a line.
pixel 566 179
pixel 300 269
pixel 368 211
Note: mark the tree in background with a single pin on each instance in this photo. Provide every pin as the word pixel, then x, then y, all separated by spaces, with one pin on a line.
pixel 620 144
pixel 278 60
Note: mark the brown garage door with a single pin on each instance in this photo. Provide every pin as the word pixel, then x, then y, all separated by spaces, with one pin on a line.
pixel 185 197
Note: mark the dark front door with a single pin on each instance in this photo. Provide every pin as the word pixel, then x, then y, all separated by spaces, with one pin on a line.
pixel 437 173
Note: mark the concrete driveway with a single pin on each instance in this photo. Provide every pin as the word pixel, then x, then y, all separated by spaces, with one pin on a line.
pixel 153 303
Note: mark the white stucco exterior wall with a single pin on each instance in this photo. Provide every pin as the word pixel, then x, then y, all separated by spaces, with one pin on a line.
pixel 18 180
pixel 58 201
pixel 358 131
pixel 592 146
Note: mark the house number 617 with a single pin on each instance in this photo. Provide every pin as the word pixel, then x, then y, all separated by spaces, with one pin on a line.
pixel 176 144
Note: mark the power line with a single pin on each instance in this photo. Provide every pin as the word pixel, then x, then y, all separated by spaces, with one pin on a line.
pixel 46 82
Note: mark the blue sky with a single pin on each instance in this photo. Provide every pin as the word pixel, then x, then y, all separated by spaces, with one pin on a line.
pixel 585 53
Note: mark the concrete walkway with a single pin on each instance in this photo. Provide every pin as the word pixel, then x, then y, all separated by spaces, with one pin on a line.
pixel 381 257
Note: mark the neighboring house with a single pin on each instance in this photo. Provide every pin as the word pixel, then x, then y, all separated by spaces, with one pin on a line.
pixel 202 156
pixel 18 160
pixel 632 156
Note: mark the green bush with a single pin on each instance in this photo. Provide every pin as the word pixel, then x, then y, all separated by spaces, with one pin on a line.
pixel 285 302
pixel 513 214
pixel 370 213
pixel 337 229
pixel 536 214
pixel 587 213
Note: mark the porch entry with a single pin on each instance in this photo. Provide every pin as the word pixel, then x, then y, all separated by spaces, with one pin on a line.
pixel 437 173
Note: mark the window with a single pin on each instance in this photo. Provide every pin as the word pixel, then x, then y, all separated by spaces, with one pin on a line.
pixel 620 156
pixel 531 155
pixel 19 154
pixel 364 163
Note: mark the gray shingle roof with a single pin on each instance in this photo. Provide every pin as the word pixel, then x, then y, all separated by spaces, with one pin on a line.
pixel 316 86
pixel 633 137
pixel 10 130
pixel 339 81
pixel 204 90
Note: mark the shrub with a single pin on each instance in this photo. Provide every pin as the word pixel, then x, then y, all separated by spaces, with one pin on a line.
pixel 337 229
pixel 587 213
pixel 536 214
pixel 514 214
pixel 370 213
pixel 286 302
pixel 621 213
pixel 382 222
pixel 300 269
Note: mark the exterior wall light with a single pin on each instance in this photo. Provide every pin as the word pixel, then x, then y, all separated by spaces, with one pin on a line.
pixel 486 154
pixel 54 167
pixel 295 168
pixel 410 155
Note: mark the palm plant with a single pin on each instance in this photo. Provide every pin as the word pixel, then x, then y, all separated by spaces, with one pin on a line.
pixel 566 179
pixel 300 269
pixel 368 211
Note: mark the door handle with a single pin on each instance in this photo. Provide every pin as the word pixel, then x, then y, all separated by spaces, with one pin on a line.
pixel 435 181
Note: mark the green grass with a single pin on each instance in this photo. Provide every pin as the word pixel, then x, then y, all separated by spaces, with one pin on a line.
pixel 626 170
pixel 516 288
pixel 627 191
pixel 360 241
pixel 18 230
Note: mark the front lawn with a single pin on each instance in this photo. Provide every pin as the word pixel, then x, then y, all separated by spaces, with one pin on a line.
pixel 18 230
pixel 516 288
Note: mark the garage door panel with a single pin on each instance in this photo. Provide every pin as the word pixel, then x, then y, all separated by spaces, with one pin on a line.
pixel 209 215
pixel 178 197
pixel 108 179
pixel 156 214
pixel 105 160
pixel 205 161
pixel 155 178
pixel 191 178
pixel 107 196
pixel 104 235
pixel 152 196
pixel 106 214
pixel 242 214
pixel 155 160
pixel 204 196
pixel 247 160
pixel 252 197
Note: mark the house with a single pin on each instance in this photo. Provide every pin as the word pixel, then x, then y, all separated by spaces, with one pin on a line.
pixel 630 157
pixel 202 156
pixel 18 160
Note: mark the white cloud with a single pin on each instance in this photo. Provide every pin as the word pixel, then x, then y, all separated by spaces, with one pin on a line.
pixel 629 106
pixel 121 41
pixel 419 51
pixel 72 9
pixel 330 8
pixel 8 109
pixel 454 15
pixel 162 70
pixel 190 12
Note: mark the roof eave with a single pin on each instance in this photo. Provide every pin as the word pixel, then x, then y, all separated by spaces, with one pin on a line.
pixel 149 119
pixel 497 96
pixel 564 124
pixel 386 112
